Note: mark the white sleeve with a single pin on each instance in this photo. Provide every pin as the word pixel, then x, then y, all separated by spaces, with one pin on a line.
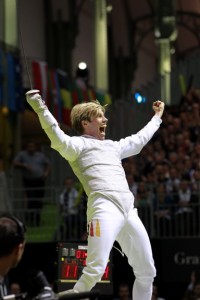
pixel 68 147
pixel 133 144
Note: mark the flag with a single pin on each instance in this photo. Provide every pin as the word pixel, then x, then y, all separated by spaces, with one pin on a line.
pixel 63 79
pixel 85 95
pixel 100 97
pixel 107 99
pixel 75 96
pixel 2 77
pixel 40 79
pixel 10 91
pixel 66 98
pixel 66 106
pixel 91 94
pixel 19 91
pixel 56 106
pixel 77 93
pixel 103 98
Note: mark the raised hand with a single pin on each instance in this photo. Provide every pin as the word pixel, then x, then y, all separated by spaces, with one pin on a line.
pixel 158 107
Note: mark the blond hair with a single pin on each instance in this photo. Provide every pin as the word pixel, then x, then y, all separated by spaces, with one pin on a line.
pixel 85 111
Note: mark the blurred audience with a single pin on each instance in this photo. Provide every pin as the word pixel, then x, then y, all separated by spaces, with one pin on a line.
pixel 35 167
pixel 171 162
pixel 68 202
pixel 155 293
pixel 15 288
pixel 193 289
pixel 123 292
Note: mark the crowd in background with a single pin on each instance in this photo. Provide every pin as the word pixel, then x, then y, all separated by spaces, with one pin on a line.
pixel 166 174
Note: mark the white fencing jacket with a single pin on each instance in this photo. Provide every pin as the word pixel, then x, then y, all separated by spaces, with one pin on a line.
pixel 97 163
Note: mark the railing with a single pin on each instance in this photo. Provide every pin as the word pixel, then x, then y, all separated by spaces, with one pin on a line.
pixel 44 229
pixel 171 222
pixel 160 221
pixel 47 223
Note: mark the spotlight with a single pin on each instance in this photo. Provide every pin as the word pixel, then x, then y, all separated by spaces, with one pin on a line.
pixel 82 65
pixel 139 98
pixel 82 75
pixel 109 8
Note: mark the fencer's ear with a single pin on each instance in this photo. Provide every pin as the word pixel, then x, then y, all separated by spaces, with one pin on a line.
pixel 84 123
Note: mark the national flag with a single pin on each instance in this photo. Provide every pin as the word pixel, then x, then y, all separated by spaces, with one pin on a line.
pixel 40 79
pixel 2 76
pixel 100 97
pixel 79 93
pixel 66 98
pixel 55 95
pixel 75 96
pixel 63 79
pixel 66 106
pixel 10 90
pixel 91 94
pixel 85 95
pixel 19 91
pixel 107 99
pixel 103 98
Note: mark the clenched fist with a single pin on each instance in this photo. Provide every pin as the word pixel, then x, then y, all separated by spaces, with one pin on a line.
pixel 158 107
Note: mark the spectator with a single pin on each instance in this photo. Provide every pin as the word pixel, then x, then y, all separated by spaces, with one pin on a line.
pixel 123 292
pixel 163 210
pixel 197 291
pixel 173 158
pixel 5 203
pixel 184 194
pixel 69 209
pixel 193 289
pixel 188 169
pixel 184 213
pixel 142 202
pixel 131 183
pixel 195 182
pixel 15 288
pixel 35 169
pixel 172 184
pixel 12 241
pixel 155 293
pixel 162 172
pixel 143 195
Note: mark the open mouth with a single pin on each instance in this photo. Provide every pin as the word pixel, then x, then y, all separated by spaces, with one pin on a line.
pixel 102 129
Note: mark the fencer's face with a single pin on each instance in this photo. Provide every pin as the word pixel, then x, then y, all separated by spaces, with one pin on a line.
pixel 96 127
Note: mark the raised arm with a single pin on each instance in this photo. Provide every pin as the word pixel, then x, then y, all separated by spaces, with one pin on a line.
pixel 67 146
pixel 133 144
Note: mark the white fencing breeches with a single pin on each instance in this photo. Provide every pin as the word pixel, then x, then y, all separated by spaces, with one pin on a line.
pixel 108 224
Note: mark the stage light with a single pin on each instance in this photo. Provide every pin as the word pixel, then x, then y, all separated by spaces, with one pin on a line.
pixel 139 98
pixel 109 8
pixel 82 65
pixel 82 75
